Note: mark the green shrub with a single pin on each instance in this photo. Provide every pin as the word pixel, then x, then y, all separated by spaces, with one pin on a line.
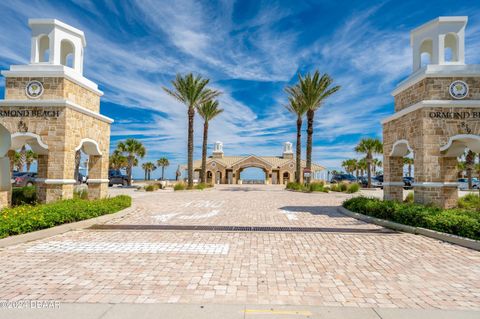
pixel 334 188
pixel 353 188
pixel 26 218
pixel 453 221
pixel 326 189
pixel 151 188
pixel 80 193
pixel 294 186
pixel 24 196
pixel 342 187
pixel 179 186
pixel 470 201
pixel 409 198
pixel 316 187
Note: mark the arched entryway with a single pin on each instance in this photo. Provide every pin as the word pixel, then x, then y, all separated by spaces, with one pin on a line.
pixel 253 175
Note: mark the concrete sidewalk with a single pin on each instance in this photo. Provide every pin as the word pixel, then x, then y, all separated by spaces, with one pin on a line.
pixel 214 311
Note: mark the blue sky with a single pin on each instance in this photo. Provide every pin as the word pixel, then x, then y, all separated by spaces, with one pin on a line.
pixel 250 50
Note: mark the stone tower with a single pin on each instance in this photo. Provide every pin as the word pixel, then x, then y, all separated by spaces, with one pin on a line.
pixel 50 106
pixel 437 114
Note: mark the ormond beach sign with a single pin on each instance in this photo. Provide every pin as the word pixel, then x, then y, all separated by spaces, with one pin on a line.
pixel 454 115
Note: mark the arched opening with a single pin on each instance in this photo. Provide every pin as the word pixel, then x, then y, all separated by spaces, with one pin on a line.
pixel 464 148
pixel 209 177
pixel 44 48
pixel 286 177
pixel 426 52
pixel 67 53
pixel 451 48
pixel 399 171
pixel 253 175
pixel 83 152
pixel 218 177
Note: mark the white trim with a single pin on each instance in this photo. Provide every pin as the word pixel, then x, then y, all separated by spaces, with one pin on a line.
pixel 393 184
pixel 435 184
pixel 33 135
pixel 59 24
pixel 432 103
pixel 397 143
pixel 57 103
pixel 96 151
pixel 436 21
pixel 97 181
pixel 458 137
pixel 51 181
pixel 39 70
pixel 440 71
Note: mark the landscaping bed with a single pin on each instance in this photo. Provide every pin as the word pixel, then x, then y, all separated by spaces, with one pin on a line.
pixel 463 222
pixel 321 187
pixel 27 218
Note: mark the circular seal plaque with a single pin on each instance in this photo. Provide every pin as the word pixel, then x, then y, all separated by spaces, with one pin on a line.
pixel 458 89
pixel 34 89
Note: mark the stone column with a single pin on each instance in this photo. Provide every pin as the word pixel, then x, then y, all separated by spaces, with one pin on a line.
pixel 55 175
pixel 5 184
pixel 435 178
pixel 97 177
pixel 393 178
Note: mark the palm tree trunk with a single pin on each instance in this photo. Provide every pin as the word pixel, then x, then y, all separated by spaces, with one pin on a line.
pixel 28 166
pixel 129 170
pixel 409 170
pixel 204 152
pixel 369 170
pixel 299 150
pixel 77 165
pixel 310 116
pixel 356 173
pixel 163 171
pixel 469 162
pixel 146 175
pixel 191 116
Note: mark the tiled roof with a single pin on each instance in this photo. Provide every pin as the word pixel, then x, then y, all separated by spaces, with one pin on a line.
pixel 274 161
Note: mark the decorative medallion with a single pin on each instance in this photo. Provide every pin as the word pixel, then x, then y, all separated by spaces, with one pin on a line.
pixel 458 89
pixel 291 165
pixel 34 89
pixel 22 127
pixel 213 164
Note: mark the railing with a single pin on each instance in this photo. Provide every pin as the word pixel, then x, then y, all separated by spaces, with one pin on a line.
pixel 253 181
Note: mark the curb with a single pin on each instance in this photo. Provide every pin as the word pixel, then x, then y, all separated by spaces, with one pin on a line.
pixel 452 239
pixel 60 229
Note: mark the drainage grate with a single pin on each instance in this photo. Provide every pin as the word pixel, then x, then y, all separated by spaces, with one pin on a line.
pixel 245 228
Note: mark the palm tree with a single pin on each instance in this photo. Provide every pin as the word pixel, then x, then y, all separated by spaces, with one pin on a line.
pixel 469 167
pixel 297 107
pixel 350 165
pixel 408 161
pixel 117 160
pixel 191 91
pixel 148 167
pixel 369 147
pixel 22 158
pixel 163 162
pixel 314 90
pixel 132 149
pixel 362 166
pixel 207 110
pixel 30 157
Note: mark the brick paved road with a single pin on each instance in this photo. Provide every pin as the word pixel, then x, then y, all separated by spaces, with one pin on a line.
pixel 324 269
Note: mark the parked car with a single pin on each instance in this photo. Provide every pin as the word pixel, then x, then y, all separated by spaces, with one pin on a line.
pixel 408 181
pixel 463 183
pixel 347 178
pixel 115 177
pixel 377 181
pixel 363 181
pixel 81 178
pixel 22 179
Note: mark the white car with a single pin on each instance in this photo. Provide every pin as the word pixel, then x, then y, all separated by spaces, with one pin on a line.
pixel 463 183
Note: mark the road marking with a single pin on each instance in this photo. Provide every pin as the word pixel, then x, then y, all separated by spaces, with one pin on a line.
pixel 278 312
pixel 164 217
pixel 290 215
pixel 204 204
pixel 200 216
pixel 129 247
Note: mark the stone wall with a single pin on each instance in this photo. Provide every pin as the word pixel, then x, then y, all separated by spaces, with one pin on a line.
pixel 54 88
pixel 434 89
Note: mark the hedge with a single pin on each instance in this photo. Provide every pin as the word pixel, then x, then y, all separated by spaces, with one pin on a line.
pixel 459 222
pixel 26 218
